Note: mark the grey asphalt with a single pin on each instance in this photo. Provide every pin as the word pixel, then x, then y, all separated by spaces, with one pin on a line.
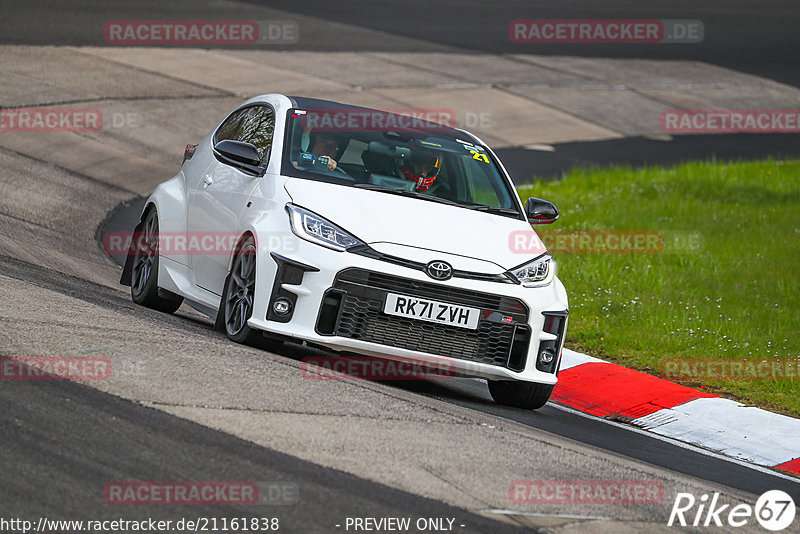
pixel 63 442
pixel 742 34
pixel 526 166
pixel 184 403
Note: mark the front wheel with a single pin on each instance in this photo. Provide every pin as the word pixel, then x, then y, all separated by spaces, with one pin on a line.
pixel 144 275
pixel 236 305
pixel 238 294
pixel 527 395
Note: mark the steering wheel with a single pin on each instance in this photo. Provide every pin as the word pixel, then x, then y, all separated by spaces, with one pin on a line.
pixel 338 169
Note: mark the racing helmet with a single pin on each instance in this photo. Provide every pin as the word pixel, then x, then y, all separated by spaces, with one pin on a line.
pixel 422 167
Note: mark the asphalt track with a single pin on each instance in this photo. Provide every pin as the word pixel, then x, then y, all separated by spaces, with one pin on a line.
pixel 740 34
pixel 63 441
pixel 530 165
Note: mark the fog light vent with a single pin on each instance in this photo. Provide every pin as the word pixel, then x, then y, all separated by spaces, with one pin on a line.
pixel 550 345
pixel 546 356
pixel 282 306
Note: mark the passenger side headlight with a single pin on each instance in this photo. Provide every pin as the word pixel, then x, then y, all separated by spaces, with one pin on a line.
pixel 311 227
pixel 536 273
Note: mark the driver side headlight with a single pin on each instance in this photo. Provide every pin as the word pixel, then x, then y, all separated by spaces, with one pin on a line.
pixel 536 273
pixel 311 227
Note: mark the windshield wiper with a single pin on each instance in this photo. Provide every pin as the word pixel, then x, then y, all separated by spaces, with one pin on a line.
pixel 406 193
pixel 495 209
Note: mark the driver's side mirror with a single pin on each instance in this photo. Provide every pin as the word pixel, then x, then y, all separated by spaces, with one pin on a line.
pixel 540 211
pixel 241 155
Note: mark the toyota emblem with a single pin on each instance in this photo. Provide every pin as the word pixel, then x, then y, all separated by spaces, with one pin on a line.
pixel 439 270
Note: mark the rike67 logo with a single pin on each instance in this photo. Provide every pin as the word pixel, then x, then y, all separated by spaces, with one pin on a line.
pixel 774 510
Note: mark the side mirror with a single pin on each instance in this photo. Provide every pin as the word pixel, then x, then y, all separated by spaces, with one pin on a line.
pixel 540 211
pixel 240 155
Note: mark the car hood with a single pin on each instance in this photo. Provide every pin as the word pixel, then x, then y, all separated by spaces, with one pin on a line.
pixel 416 229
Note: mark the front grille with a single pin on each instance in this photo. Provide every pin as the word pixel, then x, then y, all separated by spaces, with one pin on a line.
pixel 361 295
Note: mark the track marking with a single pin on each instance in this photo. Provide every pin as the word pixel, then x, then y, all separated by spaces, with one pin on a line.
pixel 539 514
pixel 678 443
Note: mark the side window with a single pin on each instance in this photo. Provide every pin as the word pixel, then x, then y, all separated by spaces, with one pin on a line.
pixel 230 128
pixel 257 127
pixel 253 124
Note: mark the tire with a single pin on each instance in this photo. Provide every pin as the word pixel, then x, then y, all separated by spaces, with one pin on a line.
pixel 144 274
pixel 527 395
pixel 236 306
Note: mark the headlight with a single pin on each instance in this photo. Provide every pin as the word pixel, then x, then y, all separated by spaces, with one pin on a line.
pixel 536 273
pixel 312 227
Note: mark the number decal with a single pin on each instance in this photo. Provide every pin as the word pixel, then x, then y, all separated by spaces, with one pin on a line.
pixel 480 157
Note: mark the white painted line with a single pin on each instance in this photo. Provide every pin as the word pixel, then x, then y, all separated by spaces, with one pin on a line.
pixel 723 425
pixel 537 514
pixel 678 443
pixel 661 417
pixel 570 358
pixel 750 436
pixel 540 147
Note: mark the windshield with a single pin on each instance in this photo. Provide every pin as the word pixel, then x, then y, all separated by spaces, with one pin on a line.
pixel 394 154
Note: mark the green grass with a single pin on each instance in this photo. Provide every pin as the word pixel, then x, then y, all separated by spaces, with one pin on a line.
pixel 726 287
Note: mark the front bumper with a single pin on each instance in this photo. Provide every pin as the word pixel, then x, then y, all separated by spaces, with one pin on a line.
pixel 338 297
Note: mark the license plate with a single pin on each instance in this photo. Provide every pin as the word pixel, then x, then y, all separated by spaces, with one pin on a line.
pixel 432 311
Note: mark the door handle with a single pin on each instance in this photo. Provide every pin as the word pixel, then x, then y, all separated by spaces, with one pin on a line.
pixel 207 180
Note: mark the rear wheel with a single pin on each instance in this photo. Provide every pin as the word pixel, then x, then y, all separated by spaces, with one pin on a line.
pixel 520 394
pixel 144 275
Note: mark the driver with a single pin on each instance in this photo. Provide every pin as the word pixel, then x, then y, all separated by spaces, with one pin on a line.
pixel 421 167
pixel 328 145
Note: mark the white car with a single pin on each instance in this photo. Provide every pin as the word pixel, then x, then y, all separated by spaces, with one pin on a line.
pixel 361 231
